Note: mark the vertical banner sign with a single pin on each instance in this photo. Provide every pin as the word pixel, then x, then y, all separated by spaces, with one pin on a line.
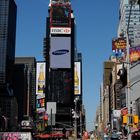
pixel 40 86
pixel 77 78
pixel 119 47
pixel 134 54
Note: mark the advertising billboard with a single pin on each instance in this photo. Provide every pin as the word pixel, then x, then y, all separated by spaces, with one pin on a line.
pixel 60 30
pixel 116 113
pixel 134 54
pixel 77 78
pixel 118 47
pixel 118 43
pixel 61 1
pixel 40 85
pixel 15 136
pixel 40 105
pixel 60 52
pixel 60 18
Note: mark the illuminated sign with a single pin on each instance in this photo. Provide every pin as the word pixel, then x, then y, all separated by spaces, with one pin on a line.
pixel 77 78
pixel 40 104
pixel 134 54
pixel 40 85
pixel 15 136
pixel 60 52
pixel 55 30
pixel 119 47
pixel 61 1
pixel 124 111
pixel 119 43
pixel 40 79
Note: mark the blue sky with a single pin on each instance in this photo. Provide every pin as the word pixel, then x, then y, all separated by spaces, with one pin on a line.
pixel 96 23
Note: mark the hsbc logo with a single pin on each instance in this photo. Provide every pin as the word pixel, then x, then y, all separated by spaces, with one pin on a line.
pixel 60 30
pixel 67 30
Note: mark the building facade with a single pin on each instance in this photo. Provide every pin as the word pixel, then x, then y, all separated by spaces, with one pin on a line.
pixel 134 23
pixel 8 12
pixel 24 85
pixel 60 54
pixel 8 103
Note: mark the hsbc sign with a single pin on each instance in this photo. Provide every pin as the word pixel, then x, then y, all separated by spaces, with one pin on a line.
pixel 60 30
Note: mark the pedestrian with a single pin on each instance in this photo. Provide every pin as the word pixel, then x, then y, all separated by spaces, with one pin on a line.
pixel 92 137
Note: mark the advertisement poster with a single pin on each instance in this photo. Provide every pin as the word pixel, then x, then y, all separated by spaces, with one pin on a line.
pixel 60 52
pixel 118 47
pixel 134 54
pixel 40 105
pixel 40 86
pixel 77 78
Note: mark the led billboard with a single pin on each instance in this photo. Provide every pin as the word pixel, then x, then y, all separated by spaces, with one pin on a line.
pixel 60 52
pixel 118 43
pixel 134 54
pixel 60 18
pixel 40 85
pixel 40 105
pixel 77 78
pixel 119 47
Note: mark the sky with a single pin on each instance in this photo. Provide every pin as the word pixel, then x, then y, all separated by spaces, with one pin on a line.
pixel 96 25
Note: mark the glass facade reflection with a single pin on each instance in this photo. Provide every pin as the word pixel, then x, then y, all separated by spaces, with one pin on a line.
pixel 8 12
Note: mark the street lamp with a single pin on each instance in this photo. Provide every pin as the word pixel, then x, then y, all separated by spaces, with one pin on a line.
pixel 75 116
pixel 128 69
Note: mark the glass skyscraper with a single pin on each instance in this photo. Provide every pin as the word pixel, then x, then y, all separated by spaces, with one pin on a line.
pixel 134 24
pixel 8 11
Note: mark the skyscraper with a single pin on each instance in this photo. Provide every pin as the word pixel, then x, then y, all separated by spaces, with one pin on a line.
pixel 134 23
pixel 8 11
pixel 8 104
pixel 24 85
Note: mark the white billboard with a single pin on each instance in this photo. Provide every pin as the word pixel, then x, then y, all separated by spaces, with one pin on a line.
pixel 116 113
pixel 60 30
pixel 60 52
pixel 15 136
pixel 77 78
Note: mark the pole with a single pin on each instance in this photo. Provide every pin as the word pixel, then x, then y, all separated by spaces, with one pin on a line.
pixel 28 91
pixel 128 72
pixel 51 123
pixel 75 126
pixel 81 123
pixel 128 87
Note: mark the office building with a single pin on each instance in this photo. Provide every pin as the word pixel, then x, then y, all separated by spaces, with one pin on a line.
pixel 8 11
pixel 134 23
pixel 8 104
pixel 24 85
pixel 60 54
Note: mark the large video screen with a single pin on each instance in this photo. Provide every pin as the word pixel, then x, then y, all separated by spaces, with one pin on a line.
pixel 77 78
pixel 60 52
pixel 40 86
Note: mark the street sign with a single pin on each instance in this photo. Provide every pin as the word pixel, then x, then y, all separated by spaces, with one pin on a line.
pixel 51 107
pixel 51 119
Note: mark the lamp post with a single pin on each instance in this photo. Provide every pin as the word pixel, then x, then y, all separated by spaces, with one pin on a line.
pixel 128 87
pixel 128 70
pixel 75 116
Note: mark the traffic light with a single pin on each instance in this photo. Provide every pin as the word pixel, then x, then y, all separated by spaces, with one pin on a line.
pixel 124 120
pixel 135 119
